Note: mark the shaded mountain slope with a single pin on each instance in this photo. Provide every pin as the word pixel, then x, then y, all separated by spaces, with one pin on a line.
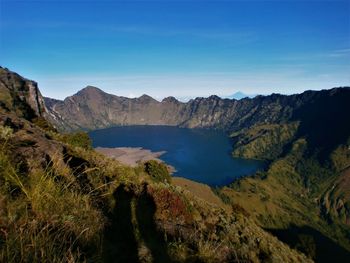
pixel 295 194
pixel 304 192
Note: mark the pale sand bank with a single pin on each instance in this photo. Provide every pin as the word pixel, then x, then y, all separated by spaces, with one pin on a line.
pixel 130 155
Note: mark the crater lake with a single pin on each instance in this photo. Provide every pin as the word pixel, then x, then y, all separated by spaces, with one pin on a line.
pixel 197 154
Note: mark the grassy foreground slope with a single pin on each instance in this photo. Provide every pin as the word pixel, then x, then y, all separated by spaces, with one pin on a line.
pixel 60 201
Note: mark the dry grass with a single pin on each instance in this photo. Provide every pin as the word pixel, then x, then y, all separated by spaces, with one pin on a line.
pixel 47 215
pixel 202 191
pixel 43 219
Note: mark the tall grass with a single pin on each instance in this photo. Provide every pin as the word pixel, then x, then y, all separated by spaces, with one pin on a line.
pixel 43 219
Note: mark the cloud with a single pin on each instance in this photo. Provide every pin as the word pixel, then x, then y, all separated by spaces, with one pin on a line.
pixel 316 56
pixel 338 53
pixel 83 29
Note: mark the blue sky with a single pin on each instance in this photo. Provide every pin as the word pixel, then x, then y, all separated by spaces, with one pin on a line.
pixel 179 48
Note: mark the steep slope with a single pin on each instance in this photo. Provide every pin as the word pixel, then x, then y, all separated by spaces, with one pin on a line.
pixel 303 197
pixel 20 95
pixel 60 201
pixel 300 200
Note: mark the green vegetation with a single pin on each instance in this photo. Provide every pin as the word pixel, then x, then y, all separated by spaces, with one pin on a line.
pixel 43 124
pixel 341 157
pixel 265 141
pixel 158 171
pixel 299 200
pixel 225 199
pixel 55 211
pixel 79 206
pixel 44 217
pixel 79 139
pixel 5 97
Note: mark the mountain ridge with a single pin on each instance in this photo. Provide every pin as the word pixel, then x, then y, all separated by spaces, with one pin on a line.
pixel 210 112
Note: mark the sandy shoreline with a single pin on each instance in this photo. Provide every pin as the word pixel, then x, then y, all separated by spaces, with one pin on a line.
pixel 130 155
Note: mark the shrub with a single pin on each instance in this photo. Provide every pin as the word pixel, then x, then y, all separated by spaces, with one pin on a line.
pixel 5 132
pixel 157 171
pixel 79 139
pixel 224 198
pixel 43 124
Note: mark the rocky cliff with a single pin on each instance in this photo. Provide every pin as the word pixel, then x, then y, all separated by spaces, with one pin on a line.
pixel 20 95
pixel 91 108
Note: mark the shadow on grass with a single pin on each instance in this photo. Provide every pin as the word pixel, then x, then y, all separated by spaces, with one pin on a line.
pixel 120 244
pixel 153 238
pixel 312 243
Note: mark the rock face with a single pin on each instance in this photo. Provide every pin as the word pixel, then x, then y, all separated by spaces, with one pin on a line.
pixel 20 95
pixel 91 108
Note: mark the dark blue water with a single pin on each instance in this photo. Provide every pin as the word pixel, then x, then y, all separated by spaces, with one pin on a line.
pixel 197 154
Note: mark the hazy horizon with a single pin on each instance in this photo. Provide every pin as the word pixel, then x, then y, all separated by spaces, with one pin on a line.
pixel 184 49
pixel 182 99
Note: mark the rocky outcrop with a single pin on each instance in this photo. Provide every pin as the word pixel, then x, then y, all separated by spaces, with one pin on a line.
pixel 20 95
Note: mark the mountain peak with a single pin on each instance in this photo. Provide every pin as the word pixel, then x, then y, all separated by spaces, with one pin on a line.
pixel 90 89
pixel 214 97
pixel 170 99
pixel 240 95
pixel 146 97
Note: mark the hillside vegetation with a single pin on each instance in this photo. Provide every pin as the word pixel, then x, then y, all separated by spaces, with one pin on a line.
pixel 281 199
pixel 303 196
pixel 265 141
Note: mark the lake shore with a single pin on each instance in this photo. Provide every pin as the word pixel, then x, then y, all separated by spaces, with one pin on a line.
pixel 133 155
pixel 200 155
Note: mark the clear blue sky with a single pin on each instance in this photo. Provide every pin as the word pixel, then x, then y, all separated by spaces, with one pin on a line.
pixel 180 48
